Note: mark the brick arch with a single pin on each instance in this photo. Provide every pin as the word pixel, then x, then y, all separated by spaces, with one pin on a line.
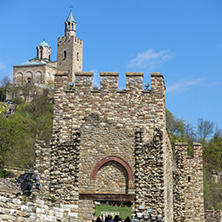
pixel 117 159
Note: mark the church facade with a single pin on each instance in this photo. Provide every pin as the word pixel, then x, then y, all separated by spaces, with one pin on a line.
pixel 39 70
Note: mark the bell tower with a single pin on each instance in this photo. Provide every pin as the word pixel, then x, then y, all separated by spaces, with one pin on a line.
pixel 69 50
pixel 70 25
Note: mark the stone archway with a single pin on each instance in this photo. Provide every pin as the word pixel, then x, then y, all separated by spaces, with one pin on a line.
pixel 109 159
pixel 112 175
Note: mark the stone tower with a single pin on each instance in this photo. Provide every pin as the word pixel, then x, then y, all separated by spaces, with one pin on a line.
pixel 70 50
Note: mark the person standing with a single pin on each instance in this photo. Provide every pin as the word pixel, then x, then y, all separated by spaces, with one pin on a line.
pixel 127 220
pixel 98 219
pixel 110 219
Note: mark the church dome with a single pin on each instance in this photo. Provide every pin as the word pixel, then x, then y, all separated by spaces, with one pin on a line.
pixel 44 44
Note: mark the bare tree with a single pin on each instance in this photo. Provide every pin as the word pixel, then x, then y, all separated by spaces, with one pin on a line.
pixel 189 133
pixel 204 128
pixel 218 131
pixel 3 87
pixel 5 81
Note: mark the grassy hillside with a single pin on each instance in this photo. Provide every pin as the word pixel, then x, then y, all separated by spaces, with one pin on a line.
pixel 19 129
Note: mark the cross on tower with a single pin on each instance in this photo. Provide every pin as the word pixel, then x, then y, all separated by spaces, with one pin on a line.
pixel 70 6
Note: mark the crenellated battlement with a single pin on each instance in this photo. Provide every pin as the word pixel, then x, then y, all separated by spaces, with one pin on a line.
pixel 131 106
pixel 83 80
pixel 181 152
pixel 134 81
pixel 190 163
pixel 109 82
pixel 69 39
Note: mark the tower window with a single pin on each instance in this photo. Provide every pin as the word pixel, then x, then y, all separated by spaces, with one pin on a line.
pixel 64 54
pixel 41 53
pixel 77 56
pixel 189 178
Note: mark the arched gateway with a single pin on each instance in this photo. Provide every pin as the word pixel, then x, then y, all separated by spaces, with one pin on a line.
pixel 107 159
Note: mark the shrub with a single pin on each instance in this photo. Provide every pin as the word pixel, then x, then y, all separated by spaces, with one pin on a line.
pixel 4 173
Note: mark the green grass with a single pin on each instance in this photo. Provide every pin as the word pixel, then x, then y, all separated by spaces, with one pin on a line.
pixel 124 212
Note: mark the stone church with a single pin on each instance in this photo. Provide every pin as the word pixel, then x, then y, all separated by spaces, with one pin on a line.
pixel 39 70
pixel 36 76
pixel 110 145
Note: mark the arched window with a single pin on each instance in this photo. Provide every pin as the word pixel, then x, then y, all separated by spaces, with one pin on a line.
pixel 65 55
pixel 19 78
pixel 29 80
pixel 29 77
pixel 38 77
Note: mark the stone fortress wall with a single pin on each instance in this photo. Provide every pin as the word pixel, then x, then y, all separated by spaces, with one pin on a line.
pixel 213 216
pixel 111 143
pixel 15 207
pixel 188 184
pixel 108 121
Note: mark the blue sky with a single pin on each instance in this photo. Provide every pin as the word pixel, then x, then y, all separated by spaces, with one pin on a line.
pixel 181 39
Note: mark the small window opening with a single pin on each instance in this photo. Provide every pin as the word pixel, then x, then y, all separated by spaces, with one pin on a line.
pixel 77 56
pixel 189 178
pixel 64 54
pixel 41 53
pixel 29 80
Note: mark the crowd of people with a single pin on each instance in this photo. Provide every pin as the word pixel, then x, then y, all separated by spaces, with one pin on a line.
pixel 109 218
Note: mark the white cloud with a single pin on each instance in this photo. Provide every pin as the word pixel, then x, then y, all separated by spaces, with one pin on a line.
pixel 150 58
pixel 183 86
pixel 213 84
